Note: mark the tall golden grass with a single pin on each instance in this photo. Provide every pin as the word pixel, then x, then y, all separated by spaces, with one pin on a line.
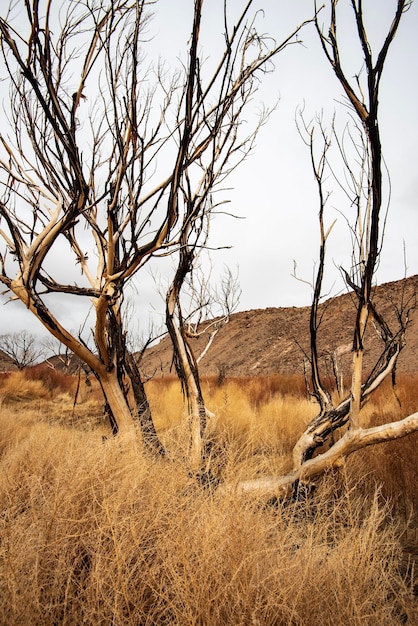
pixel 93 532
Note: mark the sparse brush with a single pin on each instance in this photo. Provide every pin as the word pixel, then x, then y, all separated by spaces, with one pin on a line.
pixel 53 380
pixel 166 401
pixel 392 464
pixel 93 532
pixel 17 387
pixel 283 419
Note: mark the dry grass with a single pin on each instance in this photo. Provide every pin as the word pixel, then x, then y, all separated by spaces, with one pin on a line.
pixel 94 533
pixel 393 464
pixel 18 387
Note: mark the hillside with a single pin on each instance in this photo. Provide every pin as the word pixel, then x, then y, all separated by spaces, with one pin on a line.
pixel 273 340
pixel 6 363
pixel 260 342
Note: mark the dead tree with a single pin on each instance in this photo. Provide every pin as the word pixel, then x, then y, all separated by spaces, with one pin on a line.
pixel 333 416
pixel 194 186
pixel 213 307
pixel 365 193
pixel 182 328
pixel 98 151
pixel 22 348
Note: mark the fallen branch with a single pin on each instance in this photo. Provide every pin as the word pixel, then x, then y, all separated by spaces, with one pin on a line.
pixel 351 442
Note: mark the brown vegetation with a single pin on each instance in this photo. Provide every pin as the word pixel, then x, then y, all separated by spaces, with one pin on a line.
pixel 92 532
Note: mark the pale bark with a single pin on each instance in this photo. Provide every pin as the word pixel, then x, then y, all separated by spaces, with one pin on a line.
pixel 187 371
pixel 117 402
pixel 352 441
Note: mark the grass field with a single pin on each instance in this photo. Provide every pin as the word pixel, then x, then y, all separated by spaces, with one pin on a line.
pixel 92 532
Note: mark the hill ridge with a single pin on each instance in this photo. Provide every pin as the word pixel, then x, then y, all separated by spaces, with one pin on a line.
pixel 276 339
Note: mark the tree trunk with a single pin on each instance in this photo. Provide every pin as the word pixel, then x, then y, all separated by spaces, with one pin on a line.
pixel 188 374
pixel 282 486
pixel 119 411
pixel 139 405
pixel 113 366
pixel 123 371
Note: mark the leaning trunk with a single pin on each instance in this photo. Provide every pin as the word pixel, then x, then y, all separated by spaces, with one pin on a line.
pixel 126 403
pixel 188 374
pixel 139 404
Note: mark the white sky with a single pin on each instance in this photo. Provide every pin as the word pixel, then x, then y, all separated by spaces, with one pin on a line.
pixel 274 189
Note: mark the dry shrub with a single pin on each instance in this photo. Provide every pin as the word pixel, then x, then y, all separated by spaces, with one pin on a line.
pixel 38 382
pixel 283 419
pixel 93 533
pixel 267 410
pixel 406 392
pixel 17 387
pixel 254 439
pixel 53 380
pixel 261 389
pixel 232 408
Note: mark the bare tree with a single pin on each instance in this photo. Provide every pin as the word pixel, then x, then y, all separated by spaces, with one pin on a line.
pixel 363 185
pixel 332 417
pixel 60 355
pixel 366 194
pixel 215 309
pixel 22 347
pixel 111 163
pixel 194 324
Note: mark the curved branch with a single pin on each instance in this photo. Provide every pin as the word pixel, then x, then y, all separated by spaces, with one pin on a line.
pixel 352 441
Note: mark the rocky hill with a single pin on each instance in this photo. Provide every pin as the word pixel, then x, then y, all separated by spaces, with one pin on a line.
pixel 276 340
pixel 261 342
pixel 6 363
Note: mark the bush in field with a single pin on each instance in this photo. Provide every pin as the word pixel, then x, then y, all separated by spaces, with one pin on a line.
pixel 53 380
pixel 38 382
pixel 18 387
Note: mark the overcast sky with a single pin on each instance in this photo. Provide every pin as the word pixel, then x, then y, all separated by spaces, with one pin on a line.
pixel 274 191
